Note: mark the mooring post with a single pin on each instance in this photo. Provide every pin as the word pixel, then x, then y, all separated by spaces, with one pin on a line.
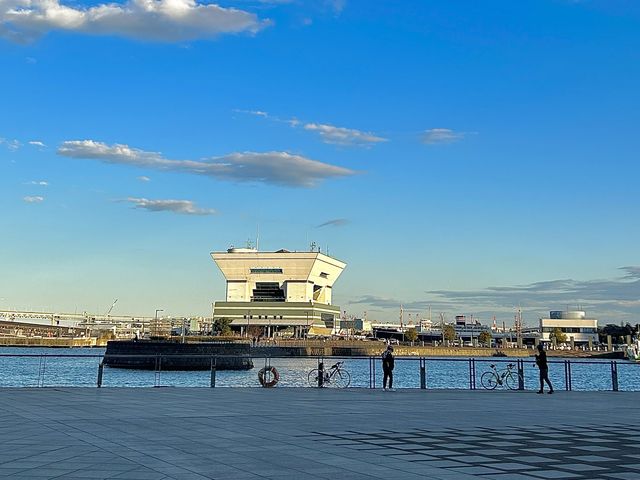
pixel 100 370
pixel 614 376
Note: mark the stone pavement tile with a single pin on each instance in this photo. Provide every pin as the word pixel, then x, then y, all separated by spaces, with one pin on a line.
pixel 443 463
pixel 579 467
pixel 547 474
pixel 475 470
pixel 508 466
pixel 632 455
pixel 594 448
pixel 501 444
pixel 454 445
pixel 622 475
pixel 491 451
pixel 589 458
pixel 508 476
pixel 634 466
pixel 533 459
pixel 549 441
pixel 544 451
pixel 471 459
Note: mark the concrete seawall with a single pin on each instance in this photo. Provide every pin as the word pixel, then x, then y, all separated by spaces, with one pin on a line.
pixel 376 350
pixel 60 342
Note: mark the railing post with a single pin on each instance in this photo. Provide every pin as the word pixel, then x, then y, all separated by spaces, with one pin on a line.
pixel 423 373
pixel 373 361
pixel 570 379
pixel 520 374
pixel 566 376
pixel 472 373
pixel 213 372
pixel 320 373
pixel 100 370
pixel 614 376
pixel 370 373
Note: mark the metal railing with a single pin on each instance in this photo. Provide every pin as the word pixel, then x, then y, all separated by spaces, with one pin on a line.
pixel 368 367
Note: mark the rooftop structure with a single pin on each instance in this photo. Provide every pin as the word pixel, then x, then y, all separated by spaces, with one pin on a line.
pixel 276 290
pixel 574 324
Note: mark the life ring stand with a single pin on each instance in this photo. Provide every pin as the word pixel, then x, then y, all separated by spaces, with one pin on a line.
pixel 275 376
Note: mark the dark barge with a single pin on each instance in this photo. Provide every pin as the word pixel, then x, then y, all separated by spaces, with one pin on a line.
pixel 170 355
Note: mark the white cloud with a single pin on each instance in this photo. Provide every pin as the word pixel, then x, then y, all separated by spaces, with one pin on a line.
pixel 33 199
pixel 328 133
pixel 154 20
pixel 41 183
pixel 144 179
pixel 279 168
pixel 36 143
pixel 436 136
pixel 12 145
pixel 343 136
pixel 182 207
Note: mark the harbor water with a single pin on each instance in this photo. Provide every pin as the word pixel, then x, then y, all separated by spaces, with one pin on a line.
pixel 53 367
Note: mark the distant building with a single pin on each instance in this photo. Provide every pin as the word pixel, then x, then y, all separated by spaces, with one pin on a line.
pixel 572 323
pixel 278 290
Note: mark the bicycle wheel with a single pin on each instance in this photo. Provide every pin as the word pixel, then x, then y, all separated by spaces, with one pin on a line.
pixel 513 380
pixel 341 379
pixel 489 380
pixel 313 377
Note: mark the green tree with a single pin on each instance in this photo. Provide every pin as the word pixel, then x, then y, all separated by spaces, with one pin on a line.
pixel 222 326
pixel 411 335
pixel 485 337
pixel 449 333
pixel 559 335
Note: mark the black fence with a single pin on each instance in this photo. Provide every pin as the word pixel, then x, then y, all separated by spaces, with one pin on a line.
pixel 47 370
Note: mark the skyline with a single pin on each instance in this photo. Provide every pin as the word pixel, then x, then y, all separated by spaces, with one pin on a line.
pixel 465 158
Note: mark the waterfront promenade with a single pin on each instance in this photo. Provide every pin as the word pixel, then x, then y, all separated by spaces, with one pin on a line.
pixel 243 434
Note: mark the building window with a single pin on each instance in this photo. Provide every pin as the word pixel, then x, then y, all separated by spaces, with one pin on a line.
pixel 266 270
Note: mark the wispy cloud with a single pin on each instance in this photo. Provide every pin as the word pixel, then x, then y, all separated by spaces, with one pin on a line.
pixel 182 207
pixel 153 20
pixel 436 136
pixel 33 199
pixel 142 178
pixel 277 168
pixel 41 183
pixel 338 222
pixel 327 133
pixel 12 145
pixel 37 143
pixel 343 136
pixel 610 300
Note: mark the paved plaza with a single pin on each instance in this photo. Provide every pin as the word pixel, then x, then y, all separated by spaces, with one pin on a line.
pixel 246 433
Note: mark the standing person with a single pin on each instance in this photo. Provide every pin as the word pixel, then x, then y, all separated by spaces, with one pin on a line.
pixel 387 368
pixel 541 361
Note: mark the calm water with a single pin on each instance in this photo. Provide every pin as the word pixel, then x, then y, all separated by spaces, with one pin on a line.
pixel 46 370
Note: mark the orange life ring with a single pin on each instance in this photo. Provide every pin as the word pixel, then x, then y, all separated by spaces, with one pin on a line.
pixel 275 376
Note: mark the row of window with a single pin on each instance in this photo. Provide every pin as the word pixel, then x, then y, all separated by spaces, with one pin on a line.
pixel 266 317
pixel 266 270
pixel 570 329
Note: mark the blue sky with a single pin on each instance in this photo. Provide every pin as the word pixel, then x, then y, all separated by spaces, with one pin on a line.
pixel 472 156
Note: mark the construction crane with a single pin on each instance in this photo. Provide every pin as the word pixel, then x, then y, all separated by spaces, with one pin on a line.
pixel 112 305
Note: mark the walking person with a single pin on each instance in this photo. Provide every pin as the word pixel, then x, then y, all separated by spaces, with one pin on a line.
pixel 387 368
pixel 541 361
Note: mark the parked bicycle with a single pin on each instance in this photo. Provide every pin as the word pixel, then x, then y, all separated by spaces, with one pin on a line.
pixel 336 376
pixel 507 377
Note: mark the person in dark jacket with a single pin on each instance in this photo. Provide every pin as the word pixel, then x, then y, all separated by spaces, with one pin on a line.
pixel 541 361
pixel 387 368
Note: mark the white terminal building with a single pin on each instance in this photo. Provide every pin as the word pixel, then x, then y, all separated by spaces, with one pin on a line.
pixel 278 291
pixel 574 324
